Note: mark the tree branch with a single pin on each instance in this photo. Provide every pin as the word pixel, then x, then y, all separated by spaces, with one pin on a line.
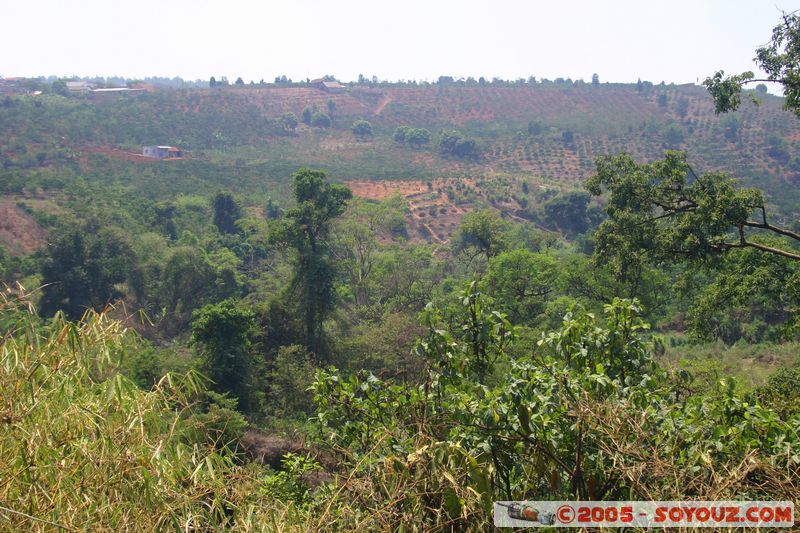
pixel 769 227
pixel 744 243
pixel 755 80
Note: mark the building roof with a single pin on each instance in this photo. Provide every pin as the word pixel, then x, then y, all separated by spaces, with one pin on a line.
pixel 79 85
pixel 116 90
pixel 332 85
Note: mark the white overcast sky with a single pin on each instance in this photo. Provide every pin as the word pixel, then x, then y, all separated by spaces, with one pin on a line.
pixel 672 40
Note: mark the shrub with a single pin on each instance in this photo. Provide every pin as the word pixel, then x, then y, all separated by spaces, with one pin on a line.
pixel 320 120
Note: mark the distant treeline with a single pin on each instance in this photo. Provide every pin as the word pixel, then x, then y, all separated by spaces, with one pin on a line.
pixel 42 82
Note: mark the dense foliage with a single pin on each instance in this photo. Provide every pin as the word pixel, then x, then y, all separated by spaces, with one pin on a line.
pixel 580 416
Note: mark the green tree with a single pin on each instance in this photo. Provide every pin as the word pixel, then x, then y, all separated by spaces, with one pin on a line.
pixel 455 144
pixel 82 269
pixel 187 281
pixel 568 138
pixel 361 129
pixel 289 382
pixel 226 212
pixel 595 80
pixel 355 243
pixel 400 133
pixel 668 210
pixel 222 332
pixel 664 213
pixel 305 229
pixel 780 59
pixel 320 120
pixel 60 87
pixel 682 106
pixel 272 210
pixel 521 282
pixel 354 249
pixel 165 219
pixel 673 135
pixel 289 121
pixel 730 127
pixel 568 212
pixel 417 137
pixel 753 296
pixel 306 115
pixel 781 392
pixel 485 232
pixel 535 127
pixel 778 148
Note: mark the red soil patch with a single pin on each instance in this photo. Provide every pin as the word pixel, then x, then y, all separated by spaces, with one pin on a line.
pixel 382 104
pixel 274 101
pixel 377 190
pixel 19 232
pixel 432 216
pixel 116 153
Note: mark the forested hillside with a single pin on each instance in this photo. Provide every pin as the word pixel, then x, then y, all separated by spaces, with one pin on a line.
pixel 390 305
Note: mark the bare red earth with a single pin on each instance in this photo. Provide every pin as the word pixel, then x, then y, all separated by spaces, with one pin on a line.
pixel 19 232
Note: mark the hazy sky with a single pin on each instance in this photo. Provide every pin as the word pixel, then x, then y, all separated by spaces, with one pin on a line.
pixel 673 40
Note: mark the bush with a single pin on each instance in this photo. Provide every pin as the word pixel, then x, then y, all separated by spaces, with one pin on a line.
pixel 291 375
pixel 453 143
pixel 288 485
pixel 781 392
pixel 400 133
pixel 320 120
pixel 486 427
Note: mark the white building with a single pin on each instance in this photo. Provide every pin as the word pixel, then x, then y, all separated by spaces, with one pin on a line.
pixel 162 152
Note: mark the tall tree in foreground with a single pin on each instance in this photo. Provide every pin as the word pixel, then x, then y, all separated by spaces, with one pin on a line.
pixel 663 212
pixel 780 59
pixel 305 230
pixel 222 332
pixel 666 208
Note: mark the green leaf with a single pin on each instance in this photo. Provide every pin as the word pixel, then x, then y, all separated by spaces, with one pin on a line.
pixel 524 418
pixel 452 503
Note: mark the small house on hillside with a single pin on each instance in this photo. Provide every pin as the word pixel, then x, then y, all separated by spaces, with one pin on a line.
pixel 331 87
pixel 79 86
pixel 162 152
pixel 113 92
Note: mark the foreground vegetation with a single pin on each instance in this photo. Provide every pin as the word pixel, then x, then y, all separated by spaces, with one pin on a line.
pixel 586 414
